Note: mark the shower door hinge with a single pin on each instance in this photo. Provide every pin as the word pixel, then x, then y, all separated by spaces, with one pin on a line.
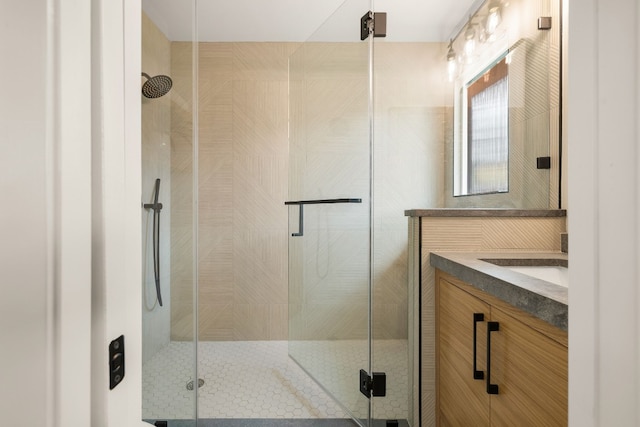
pixel 373 23
pixel 375 385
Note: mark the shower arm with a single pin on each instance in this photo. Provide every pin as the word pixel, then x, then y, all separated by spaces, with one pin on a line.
pixel 157 207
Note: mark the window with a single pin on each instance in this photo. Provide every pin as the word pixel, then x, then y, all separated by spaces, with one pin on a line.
pixel 485 167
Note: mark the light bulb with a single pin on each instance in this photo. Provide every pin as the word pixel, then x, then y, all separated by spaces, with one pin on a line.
pixel 452 68
pixel 493 19
pixel 470 41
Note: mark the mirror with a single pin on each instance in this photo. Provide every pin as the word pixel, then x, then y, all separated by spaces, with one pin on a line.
pixel 503 142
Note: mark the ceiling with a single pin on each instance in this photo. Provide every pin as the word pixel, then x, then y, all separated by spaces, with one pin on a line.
pixel 298 20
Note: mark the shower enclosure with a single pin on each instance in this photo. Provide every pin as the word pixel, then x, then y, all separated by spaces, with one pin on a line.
pixel 282 253
pixel 331 208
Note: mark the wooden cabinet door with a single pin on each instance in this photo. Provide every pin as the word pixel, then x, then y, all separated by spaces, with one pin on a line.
pixel 531 372
pixel 462 400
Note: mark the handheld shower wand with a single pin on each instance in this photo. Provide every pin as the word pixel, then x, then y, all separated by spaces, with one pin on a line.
pixel 157 207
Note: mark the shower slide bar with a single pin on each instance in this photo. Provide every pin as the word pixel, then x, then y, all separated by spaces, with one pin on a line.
pixel 157 207
pixel 301 203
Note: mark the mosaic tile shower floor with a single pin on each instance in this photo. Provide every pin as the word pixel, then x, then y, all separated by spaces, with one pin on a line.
pixel 257 379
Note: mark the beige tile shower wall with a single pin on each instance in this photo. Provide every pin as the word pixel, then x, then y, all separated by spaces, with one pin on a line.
pixel 182 230
pixel 471 234
pixel 156 155
pixel 329 149
pixel 242 185
pixel 243 161
pixel 260 150
pixel 409 120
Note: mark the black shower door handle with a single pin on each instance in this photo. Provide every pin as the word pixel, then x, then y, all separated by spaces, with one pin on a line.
pixel 301 203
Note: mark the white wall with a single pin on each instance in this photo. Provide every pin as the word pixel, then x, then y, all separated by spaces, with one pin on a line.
pixel 604 186
pixel 53 263
pixel 45 220
pixel 23 217
pixel 116 263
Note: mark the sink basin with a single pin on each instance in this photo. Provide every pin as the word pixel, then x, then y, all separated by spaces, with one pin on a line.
pixel 551 270
pixel 554 274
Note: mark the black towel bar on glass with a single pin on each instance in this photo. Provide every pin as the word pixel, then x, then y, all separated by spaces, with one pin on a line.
pixel 301 203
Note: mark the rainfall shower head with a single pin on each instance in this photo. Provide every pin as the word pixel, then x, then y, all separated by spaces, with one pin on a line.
pixel 156 86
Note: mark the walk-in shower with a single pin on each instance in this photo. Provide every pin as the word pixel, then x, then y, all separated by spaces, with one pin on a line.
pixel 278 310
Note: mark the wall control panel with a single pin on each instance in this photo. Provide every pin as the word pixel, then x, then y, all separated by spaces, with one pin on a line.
pixel 116 362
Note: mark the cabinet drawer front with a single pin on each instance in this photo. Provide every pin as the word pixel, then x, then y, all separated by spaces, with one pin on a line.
pixel 531 370
pixel 462 400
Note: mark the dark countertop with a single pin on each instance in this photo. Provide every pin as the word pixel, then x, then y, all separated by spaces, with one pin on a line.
pixel 485 213
pixel 544 300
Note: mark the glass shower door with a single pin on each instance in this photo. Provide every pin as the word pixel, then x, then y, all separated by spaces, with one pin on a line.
pixel 168 238
pixel 330 207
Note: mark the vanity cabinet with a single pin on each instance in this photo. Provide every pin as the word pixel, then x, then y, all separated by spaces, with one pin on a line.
pixel 496 365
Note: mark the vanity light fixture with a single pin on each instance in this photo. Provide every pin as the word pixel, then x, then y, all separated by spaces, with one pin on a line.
pixel 452 66
pixel 472 35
